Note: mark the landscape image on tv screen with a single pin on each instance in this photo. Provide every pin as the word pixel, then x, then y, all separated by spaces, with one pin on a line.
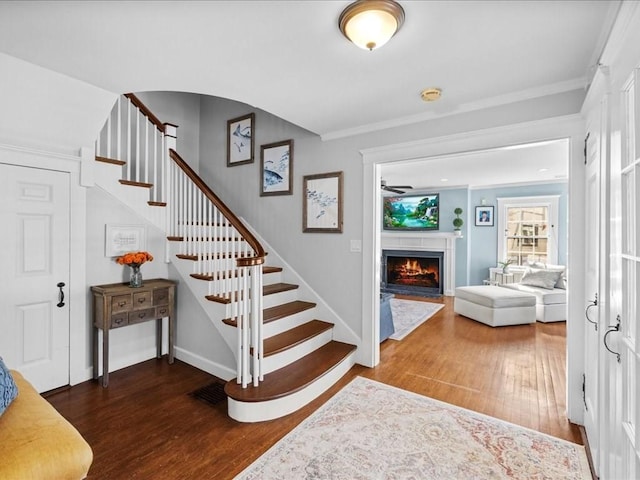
pixel 413 212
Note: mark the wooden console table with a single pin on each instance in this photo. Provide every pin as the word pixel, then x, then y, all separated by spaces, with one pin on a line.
pixel 118 305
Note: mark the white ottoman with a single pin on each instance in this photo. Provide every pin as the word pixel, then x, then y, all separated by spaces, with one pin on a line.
pixel 495 306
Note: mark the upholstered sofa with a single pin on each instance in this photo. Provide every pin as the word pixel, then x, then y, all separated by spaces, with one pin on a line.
pixel 548 283
pixel 36 442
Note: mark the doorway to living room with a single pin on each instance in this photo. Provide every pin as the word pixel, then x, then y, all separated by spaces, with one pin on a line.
pixel 455 150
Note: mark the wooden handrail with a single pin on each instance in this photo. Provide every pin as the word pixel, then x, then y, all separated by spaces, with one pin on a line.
pixel 258 259
pixel 145 111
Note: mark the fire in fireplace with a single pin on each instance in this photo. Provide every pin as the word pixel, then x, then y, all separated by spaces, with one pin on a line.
pixel 412 272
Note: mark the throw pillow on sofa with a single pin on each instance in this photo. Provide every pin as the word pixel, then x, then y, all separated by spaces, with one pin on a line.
pixel 8 388
pixel 541 278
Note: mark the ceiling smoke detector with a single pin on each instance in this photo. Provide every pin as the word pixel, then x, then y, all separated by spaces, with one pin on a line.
pixel 430 94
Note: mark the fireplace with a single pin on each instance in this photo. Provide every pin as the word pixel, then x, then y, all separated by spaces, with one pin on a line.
pixel 412 272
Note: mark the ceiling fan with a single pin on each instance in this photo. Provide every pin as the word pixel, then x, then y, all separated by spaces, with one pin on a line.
pixel 394 188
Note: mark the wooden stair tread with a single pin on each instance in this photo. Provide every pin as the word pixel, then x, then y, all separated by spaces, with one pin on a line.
pixel 285 310
pixel 267 269
pixel 277 288
pixel 289 339
pixel 156 204
pixel 136 184
pixel 294 377
pixel 112 161
pixel 185 256
pixel 270 314
pixel 205 239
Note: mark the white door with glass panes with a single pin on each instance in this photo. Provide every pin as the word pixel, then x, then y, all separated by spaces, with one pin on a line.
pixel 629 344
pixel 34 316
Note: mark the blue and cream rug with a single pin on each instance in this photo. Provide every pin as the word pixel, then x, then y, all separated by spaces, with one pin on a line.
pixel 410 314
pixel 370 430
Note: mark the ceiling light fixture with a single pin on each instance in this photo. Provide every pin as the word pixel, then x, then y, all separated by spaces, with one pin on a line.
pixel 371 23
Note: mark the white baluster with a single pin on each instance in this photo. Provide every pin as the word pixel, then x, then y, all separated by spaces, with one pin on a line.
pixel 119 129
pixel 129 154
pixel 146 150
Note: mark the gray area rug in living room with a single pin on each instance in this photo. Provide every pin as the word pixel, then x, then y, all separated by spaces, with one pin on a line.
pixel 410 314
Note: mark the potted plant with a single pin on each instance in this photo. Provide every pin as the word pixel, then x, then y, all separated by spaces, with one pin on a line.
pixel 505 265
pixel 458 222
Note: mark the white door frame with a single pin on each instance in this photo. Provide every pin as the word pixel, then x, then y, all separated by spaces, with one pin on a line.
pixel 79 341
pixel 567 127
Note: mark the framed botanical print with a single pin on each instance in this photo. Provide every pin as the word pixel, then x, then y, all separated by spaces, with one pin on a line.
pixel 240 140
pixel 276 161
pixel 322 203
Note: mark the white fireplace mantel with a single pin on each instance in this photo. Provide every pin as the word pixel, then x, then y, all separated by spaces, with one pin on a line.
pixel 435 242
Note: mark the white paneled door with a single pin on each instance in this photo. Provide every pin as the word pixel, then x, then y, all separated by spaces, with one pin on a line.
pixel 34 254
pixel 592 284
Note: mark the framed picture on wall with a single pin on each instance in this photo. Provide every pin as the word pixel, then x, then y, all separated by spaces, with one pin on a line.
pixel 240 140
pixel 120 239
pixel 276 161
pixel 484 216
pixel 322 203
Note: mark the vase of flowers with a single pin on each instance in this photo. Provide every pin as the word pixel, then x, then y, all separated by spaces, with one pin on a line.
pixel 135 260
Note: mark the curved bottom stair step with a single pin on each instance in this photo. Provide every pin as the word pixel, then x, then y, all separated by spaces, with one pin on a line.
pixel 294 377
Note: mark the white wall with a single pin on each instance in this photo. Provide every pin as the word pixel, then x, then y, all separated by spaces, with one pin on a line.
pixel 135 343
pixel 49 111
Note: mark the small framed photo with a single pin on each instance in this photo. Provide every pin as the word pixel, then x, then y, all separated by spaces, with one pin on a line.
pixel 484 216
pixel 120 239
pixel 322 203
pixel 240 140
pixel 276 161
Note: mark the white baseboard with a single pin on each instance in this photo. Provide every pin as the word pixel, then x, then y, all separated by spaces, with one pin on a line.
pixel 215 369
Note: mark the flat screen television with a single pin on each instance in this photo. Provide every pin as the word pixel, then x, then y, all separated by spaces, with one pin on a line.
pixel 411 212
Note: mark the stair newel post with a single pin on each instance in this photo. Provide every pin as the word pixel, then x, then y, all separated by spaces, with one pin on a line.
pixel 129 155
pixel 246 327
pixel 170 139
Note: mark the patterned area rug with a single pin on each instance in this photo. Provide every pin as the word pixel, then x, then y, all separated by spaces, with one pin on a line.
pixel 370 430
pixel 409 315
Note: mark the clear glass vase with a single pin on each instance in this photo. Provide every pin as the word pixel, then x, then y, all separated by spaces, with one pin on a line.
pixel 135 281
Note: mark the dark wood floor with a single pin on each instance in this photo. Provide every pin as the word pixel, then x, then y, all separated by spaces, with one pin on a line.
pixel 146 426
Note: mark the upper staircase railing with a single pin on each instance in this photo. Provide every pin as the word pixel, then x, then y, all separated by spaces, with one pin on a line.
pixel 224 251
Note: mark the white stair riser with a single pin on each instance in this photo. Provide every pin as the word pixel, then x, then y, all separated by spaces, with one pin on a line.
pixel 261 411
pixel 282 359
pixel 279 298
pixel 287 323
pixel 271 278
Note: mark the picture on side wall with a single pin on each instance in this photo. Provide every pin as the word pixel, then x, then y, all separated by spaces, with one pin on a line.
pixel 484 216
pixel 240 140
pixel 277 168
pixel 322 203
pixel 120 239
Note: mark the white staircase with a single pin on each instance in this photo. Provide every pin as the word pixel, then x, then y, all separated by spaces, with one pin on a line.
pixel 285 356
